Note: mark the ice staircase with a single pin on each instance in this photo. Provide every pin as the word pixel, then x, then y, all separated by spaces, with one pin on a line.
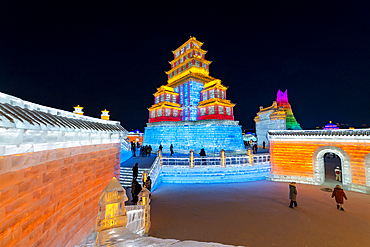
pixel 126 176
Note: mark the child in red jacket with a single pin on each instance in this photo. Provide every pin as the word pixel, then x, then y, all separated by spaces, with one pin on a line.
pixel 339 194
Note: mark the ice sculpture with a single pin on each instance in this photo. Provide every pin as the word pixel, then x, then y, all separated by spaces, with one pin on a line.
pixel 112 212
pixel 278 116
pixel 191 111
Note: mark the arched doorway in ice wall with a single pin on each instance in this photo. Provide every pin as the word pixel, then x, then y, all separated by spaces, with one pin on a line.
pixel 319 166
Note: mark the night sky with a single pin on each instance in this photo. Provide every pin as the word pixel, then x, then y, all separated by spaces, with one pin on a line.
pixel 113 55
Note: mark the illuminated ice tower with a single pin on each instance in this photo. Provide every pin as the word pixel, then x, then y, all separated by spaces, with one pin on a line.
pixel 278 116
pixel 191 111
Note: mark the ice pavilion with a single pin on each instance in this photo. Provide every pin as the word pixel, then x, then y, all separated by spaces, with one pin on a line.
pixel 191 111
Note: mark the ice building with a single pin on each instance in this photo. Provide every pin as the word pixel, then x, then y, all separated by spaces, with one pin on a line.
pixel 331 126
pixel 191 111
pixel 278 116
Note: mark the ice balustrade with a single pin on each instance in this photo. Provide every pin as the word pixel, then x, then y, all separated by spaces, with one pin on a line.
pixel 184 161
pixel 136 219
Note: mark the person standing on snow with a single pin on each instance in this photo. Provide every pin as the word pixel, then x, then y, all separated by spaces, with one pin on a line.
pixel 171 149
pixel 293 195
pixel 338 174
pixel 339 194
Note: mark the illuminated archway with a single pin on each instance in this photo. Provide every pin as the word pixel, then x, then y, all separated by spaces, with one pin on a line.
pixel 318 164
pixel 367 170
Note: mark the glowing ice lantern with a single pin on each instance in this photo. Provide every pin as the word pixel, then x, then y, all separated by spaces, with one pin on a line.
pixel 78 110
pixel 104 115
pixel 112 211
pixel 144 176
pixel 191 158
pixel 223 158
pixel 145 201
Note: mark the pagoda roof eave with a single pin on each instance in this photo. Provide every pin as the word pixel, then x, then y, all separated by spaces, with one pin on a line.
pixel 165 104
pixel 200 76
pixel 192 39
pixel 187 52
pixel 216 101
pixel 185 62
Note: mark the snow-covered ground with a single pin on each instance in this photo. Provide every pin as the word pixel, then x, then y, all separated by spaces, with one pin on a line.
pixel 257 214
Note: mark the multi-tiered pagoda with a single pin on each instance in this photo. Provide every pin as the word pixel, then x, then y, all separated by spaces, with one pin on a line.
pixel 191 111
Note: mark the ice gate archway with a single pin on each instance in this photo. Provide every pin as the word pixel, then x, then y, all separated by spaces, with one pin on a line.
pixel 297 155
pixel 319 166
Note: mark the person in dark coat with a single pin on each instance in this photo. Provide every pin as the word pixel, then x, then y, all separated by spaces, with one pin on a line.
pixel 133 183
pixel 160 147
pixel 149 150
pixel 135 171
pixel 264 145
pixel 338 193
pixel 255 148
pixel 136 193
pixel 171 149
pixel 134 149
pixel 293 195
pixel 148 183
pixel 203 154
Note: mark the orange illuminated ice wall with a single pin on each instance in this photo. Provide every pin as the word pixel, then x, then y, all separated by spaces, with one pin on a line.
pixel 298 155
pixel 53 166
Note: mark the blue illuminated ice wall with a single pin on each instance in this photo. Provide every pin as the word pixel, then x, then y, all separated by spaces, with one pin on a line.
pixel 212 135
pixel 189 99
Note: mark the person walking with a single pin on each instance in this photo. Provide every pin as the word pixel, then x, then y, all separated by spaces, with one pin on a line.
pixel 338 193
pixel 149 150
pixel 338 174
pixel 135 171
pixel 160 147
pixel 171 149
pixel 293 195
pixel 255 148
pixel 264 145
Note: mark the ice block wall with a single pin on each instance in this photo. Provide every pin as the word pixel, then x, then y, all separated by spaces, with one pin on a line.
pixel 212 135
pixel 53 165
pixel 299 156
pixel 51 197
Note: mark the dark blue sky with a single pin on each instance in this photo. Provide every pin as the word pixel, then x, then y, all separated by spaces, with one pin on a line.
pixel 113 55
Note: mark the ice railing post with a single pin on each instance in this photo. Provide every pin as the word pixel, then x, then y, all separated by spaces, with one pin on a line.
pixel 223 158
pixel 191 158
pixel 144 200
pixel 250 156
pixel 112 211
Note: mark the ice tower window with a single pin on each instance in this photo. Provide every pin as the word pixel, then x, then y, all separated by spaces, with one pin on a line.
pixel 173 98
pixel 211 110
pixel 228 111
pixel 222 94
pixel 203 111
pixel 159 113
pixel 175 113
pixel 218 93
pixel 205 95
pixel 168 97
pixel 152 114
pixel 168 112
pixel 162 97
pixel 211 94
pixel 221 110
pixel 157 99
